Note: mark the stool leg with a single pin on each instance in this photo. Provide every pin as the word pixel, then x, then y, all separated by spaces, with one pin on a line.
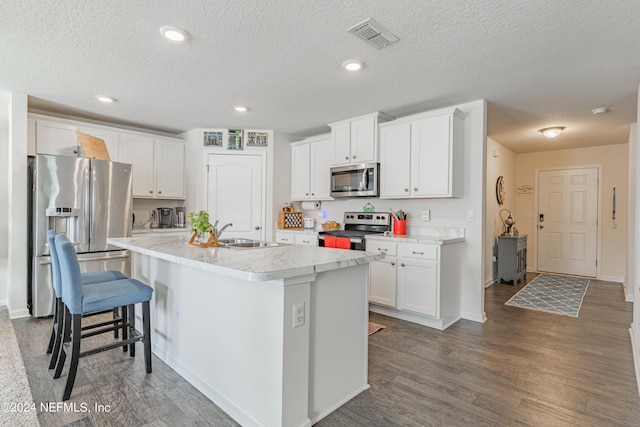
pixel 66 333
pixel 57 328
pixel 116 332
pixel 125 330
pixel 146 320
pixel 132 326
pixel 54 327
pixel 76 333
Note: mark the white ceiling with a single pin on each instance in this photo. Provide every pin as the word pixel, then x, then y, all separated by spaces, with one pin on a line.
pixel 537 63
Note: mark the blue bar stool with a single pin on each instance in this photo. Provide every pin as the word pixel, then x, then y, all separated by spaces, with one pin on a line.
pixel 78 300
pixel 92 278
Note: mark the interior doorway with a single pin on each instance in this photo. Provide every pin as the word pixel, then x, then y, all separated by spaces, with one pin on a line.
pixel 234 193
pixel 567 221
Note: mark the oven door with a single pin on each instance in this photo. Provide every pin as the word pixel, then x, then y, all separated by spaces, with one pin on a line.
pixel 360 180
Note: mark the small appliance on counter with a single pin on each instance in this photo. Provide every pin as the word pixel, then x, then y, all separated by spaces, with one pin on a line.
pixel 179 220
pixel 165 217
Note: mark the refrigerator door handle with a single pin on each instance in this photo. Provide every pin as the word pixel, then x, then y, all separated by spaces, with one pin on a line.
pixel 87 206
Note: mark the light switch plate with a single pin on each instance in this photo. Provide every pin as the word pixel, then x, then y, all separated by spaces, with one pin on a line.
pixel 471 215
pixel 298 315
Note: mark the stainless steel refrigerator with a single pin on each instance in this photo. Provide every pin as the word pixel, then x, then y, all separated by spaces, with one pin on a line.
pixel 87 199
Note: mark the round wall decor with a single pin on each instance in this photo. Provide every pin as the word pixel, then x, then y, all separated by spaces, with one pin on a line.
pixel 500 193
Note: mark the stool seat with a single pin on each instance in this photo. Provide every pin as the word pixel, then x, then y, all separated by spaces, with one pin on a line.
pixel 116 293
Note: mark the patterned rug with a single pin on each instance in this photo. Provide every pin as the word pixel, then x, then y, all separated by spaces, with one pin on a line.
pixel 374 327
pixel 553 294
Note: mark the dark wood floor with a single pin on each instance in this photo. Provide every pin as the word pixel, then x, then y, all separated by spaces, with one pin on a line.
pixel 521 367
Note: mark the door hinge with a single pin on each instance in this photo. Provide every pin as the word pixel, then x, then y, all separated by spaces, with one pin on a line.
pixel 207 168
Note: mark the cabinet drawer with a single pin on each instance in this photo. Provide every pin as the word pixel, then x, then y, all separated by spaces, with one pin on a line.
pixel 306 239
pixel 285 238
pixel 411 250
pixel 522 243
pixel 388 248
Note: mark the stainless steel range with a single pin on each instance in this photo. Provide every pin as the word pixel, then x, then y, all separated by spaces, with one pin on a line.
pixel 356 226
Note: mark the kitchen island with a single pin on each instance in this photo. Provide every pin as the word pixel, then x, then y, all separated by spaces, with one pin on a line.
pixel 274 336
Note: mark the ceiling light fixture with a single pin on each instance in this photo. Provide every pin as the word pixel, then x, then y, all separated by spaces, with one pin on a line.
pixel 600 110
pixel 174 33
pixel 552 132
pixel 105 99
pixel 240 108
pixel 353 65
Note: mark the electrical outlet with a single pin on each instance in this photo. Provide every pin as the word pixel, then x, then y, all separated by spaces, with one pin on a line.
pixel 152 214
pixel 298 315
pixel 426 215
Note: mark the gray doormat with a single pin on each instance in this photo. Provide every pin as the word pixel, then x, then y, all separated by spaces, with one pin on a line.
pixel 553 294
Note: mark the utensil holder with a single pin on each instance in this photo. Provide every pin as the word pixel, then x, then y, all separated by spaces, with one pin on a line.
pixel 400 226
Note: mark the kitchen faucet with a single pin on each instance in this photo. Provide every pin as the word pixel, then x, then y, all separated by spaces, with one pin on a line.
pixel 219 233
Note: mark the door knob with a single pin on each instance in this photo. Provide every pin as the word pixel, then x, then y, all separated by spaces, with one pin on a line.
pixel 257 227
pixel 540 226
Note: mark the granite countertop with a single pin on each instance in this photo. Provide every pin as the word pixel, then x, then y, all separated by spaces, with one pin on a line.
pixel 258 264
pixel 426 235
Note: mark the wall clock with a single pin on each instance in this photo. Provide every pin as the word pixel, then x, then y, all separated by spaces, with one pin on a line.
pixel 500 194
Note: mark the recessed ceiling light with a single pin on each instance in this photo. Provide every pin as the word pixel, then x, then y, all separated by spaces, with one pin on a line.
pixel 552 132
pixel 174 33
pixel 240 108
pixel 600 110
pixel 353 65
pixel 105 99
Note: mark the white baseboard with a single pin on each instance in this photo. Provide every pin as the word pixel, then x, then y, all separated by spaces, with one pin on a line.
pixel 636 362
pixel 19 314
pixel 606 278
pixel 475 317
pixel 489 282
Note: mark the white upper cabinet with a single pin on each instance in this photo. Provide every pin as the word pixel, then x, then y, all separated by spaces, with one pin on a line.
pixel 169 166
pixel 311 161
pixel 421 156
pixel 158 166
pixel 55 138
pixel 355 140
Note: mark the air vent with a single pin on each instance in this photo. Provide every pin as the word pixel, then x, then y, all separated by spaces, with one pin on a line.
pixel 373 33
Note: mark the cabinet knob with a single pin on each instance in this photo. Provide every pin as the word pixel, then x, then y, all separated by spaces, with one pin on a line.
pixel 354 157
pixel 306 194
pixel 381 249
pixel 346 158
pixel 393 263
pixel 402 265
pixel 313 194
pixel 150 191
pixel 160 192
pixel 406 190
pixel 257 227
pixel 75 151
pixel 417 253
pixel 415 189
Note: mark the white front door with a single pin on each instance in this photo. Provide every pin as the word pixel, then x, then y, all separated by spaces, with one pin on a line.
pixel 568 221
pixel 234 194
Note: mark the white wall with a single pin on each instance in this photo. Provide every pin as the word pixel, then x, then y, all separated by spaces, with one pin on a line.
pixel 630 280
pixel 614 165
pixel 635 326
pixel 18 193
pixel 449 212
pixel 4 197
pixel 500 162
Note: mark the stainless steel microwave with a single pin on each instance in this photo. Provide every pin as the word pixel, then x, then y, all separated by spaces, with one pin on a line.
pixel 361 180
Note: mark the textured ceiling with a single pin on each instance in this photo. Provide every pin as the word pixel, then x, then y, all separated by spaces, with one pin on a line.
pixel 537 63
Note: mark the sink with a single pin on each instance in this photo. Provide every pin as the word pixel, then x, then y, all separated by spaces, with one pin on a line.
pixel 233 241
pixel 252 244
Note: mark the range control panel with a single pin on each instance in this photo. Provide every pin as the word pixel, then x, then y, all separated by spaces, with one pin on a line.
pixel 367 218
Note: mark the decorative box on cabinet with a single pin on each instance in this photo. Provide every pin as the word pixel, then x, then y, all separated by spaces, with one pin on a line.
pixel 512 258
pixel 311 162
pixel 355 140
pixel 421 156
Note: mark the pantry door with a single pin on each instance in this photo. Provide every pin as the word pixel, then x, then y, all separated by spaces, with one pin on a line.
pixel 568 221
pixel 234 194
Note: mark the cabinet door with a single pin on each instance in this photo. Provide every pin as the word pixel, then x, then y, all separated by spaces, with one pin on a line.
pixel 320 173
pixel 431 157
pixel 395 158
pixel 55 138
pixel 169 169
pixel 382 282
pixel 300 178
pixel 418 286
pixel 341 137
pixel 111 140
pixel 138 150
pixel 363 140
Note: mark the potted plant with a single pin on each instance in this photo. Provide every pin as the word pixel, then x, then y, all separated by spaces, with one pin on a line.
pixel 199 224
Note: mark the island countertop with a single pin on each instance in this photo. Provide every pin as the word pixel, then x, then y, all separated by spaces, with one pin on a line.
pixel 256 264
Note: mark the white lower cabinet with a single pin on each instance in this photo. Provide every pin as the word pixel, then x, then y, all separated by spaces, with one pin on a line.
pixel 297 238
pixel 416 282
